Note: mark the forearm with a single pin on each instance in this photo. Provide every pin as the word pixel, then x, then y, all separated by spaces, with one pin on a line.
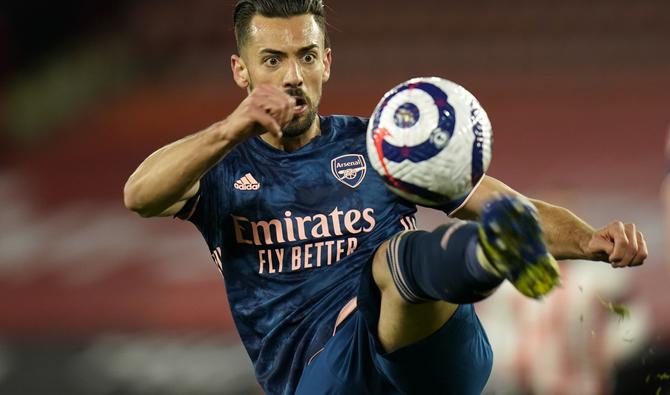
pixel 169 174
pixel 567 235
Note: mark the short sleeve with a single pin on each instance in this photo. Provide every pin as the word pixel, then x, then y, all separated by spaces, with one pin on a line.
pixel 209 205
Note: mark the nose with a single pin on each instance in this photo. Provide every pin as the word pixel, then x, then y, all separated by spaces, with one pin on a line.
pixel 293 76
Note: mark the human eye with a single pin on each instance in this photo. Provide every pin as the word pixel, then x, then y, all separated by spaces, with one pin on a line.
pixel 309 57
pixel 271 61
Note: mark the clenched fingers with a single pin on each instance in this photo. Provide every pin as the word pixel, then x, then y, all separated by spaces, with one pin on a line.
pixel 617 233
pixel 267 122
pixel 642 251
pixel 630 249
pixel 275 102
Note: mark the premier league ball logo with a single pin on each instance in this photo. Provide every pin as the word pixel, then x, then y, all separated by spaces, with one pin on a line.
pixel 438 117
pixel 406 116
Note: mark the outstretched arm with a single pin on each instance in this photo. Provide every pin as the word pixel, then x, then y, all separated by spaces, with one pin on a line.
pixel 165 180
pixel 163 183
pixel 568 236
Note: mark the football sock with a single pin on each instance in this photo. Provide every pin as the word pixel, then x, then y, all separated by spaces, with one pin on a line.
pixel 445 264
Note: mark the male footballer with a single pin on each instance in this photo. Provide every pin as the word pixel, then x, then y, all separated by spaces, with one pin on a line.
pixel 332 289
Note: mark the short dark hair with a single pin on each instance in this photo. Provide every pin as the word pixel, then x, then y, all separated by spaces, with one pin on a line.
pixel 246 9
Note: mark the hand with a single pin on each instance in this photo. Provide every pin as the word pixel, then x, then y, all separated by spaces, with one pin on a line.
pixel 619 244
pixel 266 109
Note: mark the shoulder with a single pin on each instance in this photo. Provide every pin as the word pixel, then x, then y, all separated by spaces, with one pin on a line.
pixel 345 125
pixel 347 122
pixel 224 169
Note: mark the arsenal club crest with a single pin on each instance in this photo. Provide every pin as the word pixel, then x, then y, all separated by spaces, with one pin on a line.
pixel 349 169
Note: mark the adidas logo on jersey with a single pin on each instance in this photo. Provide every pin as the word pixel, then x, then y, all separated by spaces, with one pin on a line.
pixel 247 183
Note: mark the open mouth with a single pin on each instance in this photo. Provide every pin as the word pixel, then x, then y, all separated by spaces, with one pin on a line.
pixel 300 105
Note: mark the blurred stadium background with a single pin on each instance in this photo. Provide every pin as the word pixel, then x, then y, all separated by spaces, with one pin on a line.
pixel 95 300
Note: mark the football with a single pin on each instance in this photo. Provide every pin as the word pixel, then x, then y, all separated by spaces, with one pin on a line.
pixel 430 140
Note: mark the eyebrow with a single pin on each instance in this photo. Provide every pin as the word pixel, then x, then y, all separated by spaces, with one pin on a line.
pixel 277 52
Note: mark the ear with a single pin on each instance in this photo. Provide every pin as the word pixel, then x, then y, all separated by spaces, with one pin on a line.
pixel 327 60
pixel 240 71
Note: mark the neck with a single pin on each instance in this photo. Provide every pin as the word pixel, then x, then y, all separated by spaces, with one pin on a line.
pixel 290 144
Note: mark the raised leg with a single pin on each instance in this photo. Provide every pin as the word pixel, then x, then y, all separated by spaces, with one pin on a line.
pixel 423 276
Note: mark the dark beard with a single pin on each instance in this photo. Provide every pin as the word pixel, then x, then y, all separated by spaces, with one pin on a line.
pixel 299 126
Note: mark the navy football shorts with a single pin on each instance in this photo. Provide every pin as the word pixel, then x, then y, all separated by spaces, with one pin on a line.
pixel 457 359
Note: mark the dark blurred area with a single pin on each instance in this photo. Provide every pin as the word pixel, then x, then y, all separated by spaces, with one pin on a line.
pixel 96 300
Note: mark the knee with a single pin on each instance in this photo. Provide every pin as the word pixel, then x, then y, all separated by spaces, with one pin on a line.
pixel 383 277
pixel 380 270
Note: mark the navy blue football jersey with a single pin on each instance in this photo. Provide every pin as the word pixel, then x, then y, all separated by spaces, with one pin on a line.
pixel 291 232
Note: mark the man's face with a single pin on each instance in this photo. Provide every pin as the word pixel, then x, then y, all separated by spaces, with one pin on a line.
pixel 288 53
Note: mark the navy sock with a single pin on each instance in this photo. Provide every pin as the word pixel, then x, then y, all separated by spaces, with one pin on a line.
pixel 440 265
